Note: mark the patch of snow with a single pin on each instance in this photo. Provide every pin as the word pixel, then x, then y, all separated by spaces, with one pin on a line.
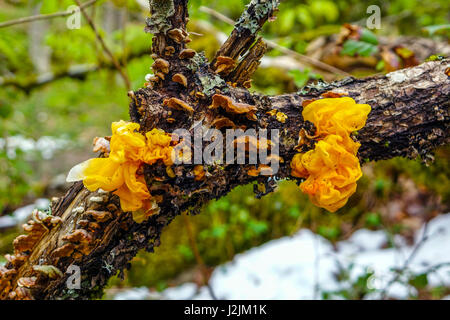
pixel 302 266
pixel 45 145
pixel 22 214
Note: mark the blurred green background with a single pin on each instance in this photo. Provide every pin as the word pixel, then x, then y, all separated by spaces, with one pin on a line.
pixel 46 128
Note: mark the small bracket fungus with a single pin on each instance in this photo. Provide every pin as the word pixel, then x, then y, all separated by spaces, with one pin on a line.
pixel 49 271
pixel 177 104
pixel 64 251
pixel 27 282
pixel 224 65
pixel 178 35
pixel 161 65
pixel 223 122
pixel 187 54
pixel 331 169
pixel 262 169
pixel 169 50
pixel 233 107
pixel 179 78
pixel 199 172
pixel 100 216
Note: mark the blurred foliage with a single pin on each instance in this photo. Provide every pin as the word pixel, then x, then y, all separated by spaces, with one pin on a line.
pixel 79 109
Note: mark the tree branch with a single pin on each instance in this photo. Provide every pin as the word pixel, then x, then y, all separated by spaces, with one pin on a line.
pixel 80 72
pixel 44 16
pixel 273 45
pixel 105 47
pixel 410 117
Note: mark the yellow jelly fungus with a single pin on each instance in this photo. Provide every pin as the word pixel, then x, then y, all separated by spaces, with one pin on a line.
pixel 281 117
pixel 331 169
pixel 121 171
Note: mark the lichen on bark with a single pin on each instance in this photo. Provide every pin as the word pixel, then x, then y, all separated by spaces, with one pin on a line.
pixel 161 11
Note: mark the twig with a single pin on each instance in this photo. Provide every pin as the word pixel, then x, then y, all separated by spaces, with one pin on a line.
pixel 273 45
pixel 105 48
pixel 44 16
pixel 78 71
pixel 416 248
pixel 198 257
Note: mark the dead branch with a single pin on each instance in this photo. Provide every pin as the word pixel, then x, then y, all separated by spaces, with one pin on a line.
pixel 409 118
pixel 44 16
pixel 105 48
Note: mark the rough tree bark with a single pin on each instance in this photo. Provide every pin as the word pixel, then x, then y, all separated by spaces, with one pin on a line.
pixel 409 118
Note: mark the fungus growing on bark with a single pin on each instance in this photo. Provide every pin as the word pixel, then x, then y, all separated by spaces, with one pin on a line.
pixel 187 53
pixel 169 50
pixel 223 122
pixel 251 142
pixel 272 112
pixel 121 173
pixel 177 104
pixel 247 84
pixel 16 259
pixel 27 242
pixel 331 94
pixel 262 169
pixel 48 271
pixel 100 216
pixel 199 172
pixel 27 282
pixel 179 78
pixel 331 169
pixel 177 35
pixel 64 251
pixel 160 75
pixel 281 117
pixel 170 172
pixel 224 65
pixel 233 107
pixel 78 236
pixel 161 65
pixel 100 144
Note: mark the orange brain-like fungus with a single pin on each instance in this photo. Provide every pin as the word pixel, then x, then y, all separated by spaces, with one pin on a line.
pixel 120 172
pixel 331 169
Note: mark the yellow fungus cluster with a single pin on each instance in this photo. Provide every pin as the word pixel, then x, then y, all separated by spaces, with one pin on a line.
pixel 331 169
pixel 121 172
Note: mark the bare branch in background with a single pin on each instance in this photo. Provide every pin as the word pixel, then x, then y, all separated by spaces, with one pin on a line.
pixel 105 47
pixel 44 16
pixel 273 45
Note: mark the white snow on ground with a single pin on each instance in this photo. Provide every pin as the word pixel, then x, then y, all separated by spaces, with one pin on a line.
pixel 21 215
pixel 291 267
pixel 45 145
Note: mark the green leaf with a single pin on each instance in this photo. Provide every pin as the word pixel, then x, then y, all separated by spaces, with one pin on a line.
pixel 440 28
pixel 326 9
pixel 419 281
pixel 368 36
pixel 186 252
pixel 304 17
pixel 5 110
pixel 301 77
pixel 373 219
pixel 353 47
